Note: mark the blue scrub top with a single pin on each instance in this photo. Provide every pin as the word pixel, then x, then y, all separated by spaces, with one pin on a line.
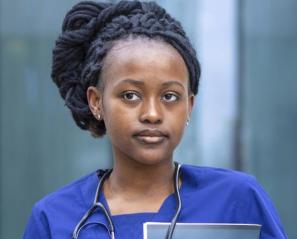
pixel 209 195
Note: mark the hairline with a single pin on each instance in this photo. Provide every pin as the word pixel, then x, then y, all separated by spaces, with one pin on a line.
pixel 132 37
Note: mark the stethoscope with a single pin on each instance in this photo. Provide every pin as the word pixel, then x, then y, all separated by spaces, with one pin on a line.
pixel 98 205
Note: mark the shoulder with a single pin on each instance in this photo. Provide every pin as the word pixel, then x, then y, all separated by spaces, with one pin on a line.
pixel 224 188
pixel 237 194
pixel 55 214
pixel 245 185
pixel 73 191
pixel 77 194
pixel 211 176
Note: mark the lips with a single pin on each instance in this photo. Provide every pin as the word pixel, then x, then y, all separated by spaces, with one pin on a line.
pixel 151 136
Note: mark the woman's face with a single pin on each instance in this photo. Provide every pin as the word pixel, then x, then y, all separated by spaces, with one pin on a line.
pixel 146 101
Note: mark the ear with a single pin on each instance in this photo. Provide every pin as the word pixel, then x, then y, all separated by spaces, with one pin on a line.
pixel 191 100
pixel 94 97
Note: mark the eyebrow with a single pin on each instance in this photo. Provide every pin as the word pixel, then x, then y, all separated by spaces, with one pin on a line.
pixel 132 82
pixel 169 83
pixel 140 83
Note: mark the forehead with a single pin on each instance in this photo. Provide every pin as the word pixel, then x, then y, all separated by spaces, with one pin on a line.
pixel 144 59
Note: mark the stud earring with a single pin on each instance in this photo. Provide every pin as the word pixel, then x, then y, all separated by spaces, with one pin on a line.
pixel 98 117
pixel 188 121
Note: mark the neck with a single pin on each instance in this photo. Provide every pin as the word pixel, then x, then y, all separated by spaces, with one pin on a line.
pixel 134 178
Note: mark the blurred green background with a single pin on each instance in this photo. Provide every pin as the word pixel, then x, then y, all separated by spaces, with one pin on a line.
pixel 245 115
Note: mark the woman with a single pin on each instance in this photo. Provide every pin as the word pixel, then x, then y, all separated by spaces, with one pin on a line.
pixel 129 70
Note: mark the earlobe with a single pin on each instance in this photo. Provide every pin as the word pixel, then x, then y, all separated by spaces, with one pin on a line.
pixel 94 101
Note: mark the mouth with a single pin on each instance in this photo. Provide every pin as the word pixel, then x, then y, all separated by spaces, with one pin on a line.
pixel 151 136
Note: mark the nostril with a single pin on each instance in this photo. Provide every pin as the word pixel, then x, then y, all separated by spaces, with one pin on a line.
pixel 151 113
pixel 151 117
pixel 152 121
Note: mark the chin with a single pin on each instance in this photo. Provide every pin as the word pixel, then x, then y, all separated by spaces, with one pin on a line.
pixel 152 158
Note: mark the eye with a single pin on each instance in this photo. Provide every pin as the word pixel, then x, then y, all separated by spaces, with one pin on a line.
pixel 130 96
pixel 170 97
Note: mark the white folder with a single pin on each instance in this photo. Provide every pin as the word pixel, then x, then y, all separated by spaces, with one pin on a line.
pixel 158 230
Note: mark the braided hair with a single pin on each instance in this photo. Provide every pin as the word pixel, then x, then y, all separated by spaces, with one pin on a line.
pixel 88 31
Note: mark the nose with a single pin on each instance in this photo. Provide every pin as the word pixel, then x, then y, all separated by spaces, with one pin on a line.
pixel 151 112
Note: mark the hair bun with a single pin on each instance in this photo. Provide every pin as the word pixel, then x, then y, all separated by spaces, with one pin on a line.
pixel 81 14
pixel 71 45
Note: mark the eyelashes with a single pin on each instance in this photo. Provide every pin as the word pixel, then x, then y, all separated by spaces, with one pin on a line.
pixel 172 97
pixel 130 96
pixel 133 96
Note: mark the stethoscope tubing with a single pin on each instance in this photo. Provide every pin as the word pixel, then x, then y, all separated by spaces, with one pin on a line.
pixel 111 230
pixel 172 225
pixel 96 204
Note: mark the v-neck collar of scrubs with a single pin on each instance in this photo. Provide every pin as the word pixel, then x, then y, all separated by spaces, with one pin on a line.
pixel 164 214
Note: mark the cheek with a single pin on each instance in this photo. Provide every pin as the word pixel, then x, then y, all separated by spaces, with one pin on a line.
pixel 117 119
pixel 177 122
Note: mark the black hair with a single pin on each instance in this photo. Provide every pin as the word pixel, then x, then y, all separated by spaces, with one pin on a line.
pixel 88 31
